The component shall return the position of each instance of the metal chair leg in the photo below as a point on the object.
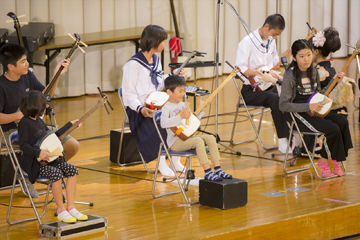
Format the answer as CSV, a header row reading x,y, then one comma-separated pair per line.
x,y
122,136
38,217
250,116
287,154
310,154
181,185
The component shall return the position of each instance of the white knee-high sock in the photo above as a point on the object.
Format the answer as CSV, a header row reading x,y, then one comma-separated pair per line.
x,y
178,166
283,145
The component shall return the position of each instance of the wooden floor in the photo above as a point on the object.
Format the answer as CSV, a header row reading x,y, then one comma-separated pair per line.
x,y
327,210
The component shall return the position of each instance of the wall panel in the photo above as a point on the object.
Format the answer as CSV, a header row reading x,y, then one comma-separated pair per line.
x,y
102,65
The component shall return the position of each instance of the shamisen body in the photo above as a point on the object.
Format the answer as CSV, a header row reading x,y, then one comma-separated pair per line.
x,y
323,98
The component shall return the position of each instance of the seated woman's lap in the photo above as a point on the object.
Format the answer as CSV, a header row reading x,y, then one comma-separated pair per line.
x,y
145,135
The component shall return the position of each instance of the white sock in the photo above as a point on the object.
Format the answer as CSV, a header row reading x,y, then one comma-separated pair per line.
x,y
164,168
76,214
283,145
64,215
178,166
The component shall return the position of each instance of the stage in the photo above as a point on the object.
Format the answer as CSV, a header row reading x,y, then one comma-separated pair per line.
x,y
280,206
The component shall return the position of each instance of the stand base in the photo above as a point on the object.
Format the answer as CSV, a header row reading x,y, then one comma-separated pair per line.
x,y
60,229
238,153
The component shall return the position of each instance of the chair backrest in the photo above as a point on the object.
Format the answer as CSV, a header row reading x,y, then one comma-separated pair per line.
x,y
126,123
7,142
157,116
1,142
14,138
156,121
122,101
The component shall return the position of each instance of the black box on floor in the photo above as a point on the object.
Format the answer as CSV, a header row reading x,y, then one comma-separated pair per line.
x,y
34,35
225,194
6,169
129,151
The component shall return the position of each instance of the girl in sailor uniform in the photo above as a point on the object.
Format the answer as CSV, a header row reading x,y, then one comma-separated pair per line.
x,y
300,82
142,75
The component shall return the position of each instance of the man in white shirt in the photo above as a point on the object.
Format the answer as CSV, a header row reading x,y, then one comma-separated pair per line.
x,y
255,51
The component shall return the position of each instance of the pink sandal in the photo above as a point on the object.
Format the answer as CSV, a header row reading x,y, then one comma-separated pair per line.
x,y
337,168
325,169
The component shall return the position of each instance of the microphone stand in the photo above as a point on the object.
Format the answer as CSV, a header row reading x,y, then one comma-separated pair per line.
x,y
49,111
217,31
51,114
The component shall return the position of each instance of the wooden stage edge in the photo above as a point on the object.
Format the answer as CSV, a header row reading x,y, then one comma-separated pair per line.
x,y
318,225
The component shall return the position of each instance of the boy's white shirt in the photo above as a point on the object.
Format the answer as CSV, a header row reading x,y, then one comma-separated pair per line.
x,y
249,56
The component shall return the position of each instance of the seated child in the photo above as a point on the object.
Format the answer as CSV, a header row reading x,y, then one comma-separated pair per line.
x,y
323,44
31,126
17,80
300,82
172,113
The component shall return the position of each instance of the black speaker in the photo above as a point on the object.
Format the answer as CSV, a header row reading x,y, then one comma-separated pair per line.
x,y
129,151
225,194
6,169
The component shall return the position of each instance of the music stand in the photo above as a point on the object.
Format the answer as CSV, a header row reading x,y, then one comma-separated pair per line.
x,y
195,65
217,62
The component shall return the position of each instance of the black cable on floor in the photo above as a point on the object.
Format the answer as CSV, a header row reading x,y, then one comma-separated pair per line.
x,y
100,136
253,156
6,205
123,175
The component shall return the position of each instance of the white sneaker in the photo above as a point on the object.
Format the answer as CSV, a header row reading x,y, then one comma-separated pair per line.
x,y
65,217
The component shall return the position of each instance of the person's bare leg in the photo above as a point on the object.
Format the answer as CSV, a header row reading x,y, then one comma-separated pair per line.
x,y
70,191
71,147
63,215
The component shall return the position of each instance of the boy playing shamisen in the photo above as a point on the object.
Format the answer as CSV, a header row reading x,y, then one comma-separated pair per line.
x,y
172,114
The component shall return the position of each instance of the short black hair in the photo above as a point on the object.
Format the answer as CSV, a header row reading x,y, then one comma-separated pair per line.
x,y
173,82
332,42
10,53
151,37
275,21
32,103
